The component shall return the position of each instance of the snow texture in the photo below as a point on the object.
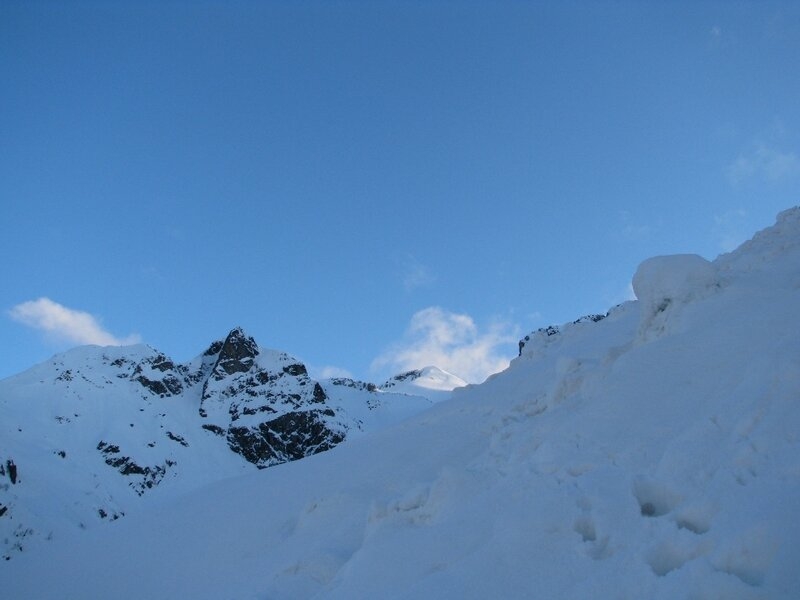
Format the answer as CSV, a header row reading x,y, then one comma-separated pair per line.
x,y
653,453
662,283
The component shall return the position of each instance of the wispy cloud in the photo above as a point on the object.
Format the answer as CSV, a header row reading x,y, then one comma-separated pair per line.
x,y
66,324
452,342
415,274
763,162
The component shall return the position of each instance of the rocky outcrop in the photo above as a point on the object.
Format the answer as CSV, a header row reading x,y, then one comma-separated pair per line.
x,y
236,355
408,375
291,436
362,386
266,404
552,330
142,478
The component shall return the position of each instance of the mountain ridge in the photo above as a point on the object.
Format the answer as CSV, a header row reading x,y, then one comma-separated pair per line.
x,y
128,423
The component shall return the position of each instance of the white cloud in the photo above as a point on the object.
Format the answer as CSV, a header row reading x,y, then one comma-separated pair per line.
x,y
66,324
452,342
766,163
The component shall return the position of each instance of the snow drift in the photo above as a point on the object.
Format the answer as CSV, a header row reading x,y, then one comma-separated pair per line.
x,y
652,453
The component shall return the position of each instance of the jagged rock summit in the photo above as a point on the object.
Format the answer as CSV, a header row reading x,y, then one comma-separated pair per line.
x,y
265,402
93,431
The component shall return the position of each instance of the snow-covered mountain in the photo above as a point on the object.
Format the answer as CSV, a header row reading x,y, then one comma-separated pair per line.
x,y
95,432
653,453
431,382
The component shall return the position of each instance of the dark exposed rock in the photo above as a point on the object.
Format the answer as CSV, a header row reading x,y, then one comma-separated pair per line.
x,y
548,331
177,438
126,465
407,375
107,448
216,429
162,363
12,471
236,355
590,319
295,370
65,376
414,374
149,476
289,437
319,394
214,348
111,517
253,411
168,386
552,330
264,377
352,383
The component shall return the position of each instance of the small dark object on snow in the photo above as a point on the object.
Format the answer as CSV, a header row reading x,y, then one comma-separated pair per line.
x,y
648,510
12,471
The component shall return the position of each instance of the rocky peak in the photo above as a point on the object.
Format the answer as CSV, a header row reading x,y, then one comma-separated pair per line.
x,y
408,375
236,354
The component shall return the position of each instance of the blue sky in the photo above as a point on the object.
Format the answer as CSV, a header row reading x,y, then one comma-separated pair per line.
x,y
374,186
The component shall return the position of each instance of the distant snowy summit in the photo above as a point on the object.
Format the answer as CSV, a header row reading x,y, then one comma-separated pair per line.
x,y
427,381
88,433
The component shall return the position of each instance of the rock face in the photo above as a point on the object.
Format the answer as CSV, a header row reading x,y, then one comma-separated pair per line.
x,y
236,355
92,432
265,402
291,436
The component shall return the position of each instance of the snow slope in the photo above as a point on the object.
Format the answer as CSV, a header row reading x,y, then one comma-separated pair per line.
x,y
653,453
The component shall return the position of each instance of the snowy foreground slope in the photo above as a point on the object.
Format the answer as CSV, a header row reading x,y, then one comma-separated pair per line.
x,y
654,453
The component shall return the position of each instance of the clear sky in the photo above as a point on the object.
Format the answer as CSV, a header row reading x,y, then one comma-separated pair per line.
x,y
374,186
